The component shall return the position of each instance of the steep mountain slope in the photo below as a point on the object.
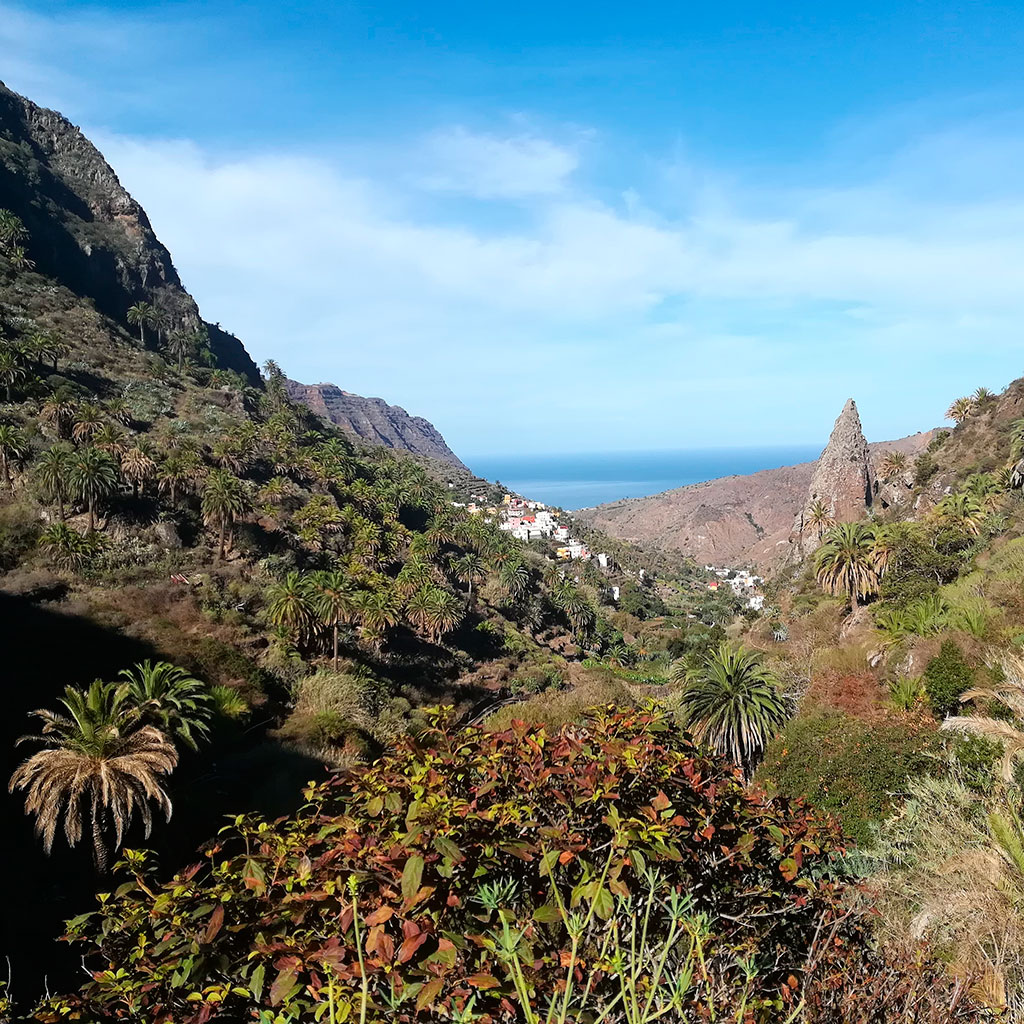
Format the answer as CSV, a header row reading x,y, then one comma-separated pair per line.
x,y
373,421
88,234
732,520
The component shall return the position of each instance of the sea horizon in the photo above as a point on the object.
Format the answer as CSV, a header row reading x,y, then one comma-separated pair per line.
x,y
583,479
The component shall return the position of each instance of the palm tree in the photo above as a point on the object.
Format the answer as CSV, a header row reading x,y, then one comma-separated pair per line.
x,y
982,396
884,545
12,369
178,471
963,512
119,410
468,569
444,613
93,476
732,702
167,697
12,230
68,548
19,258
111,439
378,612
894,465
960,409
845,562
142,315
335,601
60,409
138,465
101,764
13,448
88,420
54,468
292,604
515,578
223,501
819,517
179,347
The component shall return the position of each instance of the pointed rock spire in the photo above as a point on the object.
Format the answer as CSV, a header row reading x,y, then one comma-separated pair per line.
x,y
843,479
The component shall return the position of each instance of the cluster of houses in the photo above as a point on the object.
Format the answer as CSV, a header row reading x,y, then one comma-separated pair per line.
x,y
531,520
742,582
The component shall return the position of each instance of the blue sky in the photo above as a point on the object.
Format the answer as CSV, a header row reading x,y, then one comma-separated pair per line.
x,y
550,226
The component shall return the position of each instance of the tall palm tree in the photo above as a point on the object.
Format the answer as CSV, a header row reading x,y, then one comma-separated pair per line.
x,y
54,469
13,448
93,477
142,315
960,409
292,604
180,346
894,465
732,702
138,465
178,472
335,601
167,697
223,501
845,562
101,764
819,517
469,569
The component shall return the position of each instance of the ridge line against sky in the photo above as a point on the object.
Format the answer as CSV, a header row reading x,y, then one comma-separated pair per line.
x,y
572,231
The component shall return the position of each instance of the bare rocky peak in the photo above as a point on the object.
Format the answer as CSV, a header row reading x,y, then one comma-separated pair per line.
x,y
373,421
843,478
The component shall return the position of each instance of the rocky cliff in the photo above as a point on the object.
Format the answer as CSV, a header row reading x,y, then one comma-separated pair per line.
x,y
87,233
843,480
735,520
373,421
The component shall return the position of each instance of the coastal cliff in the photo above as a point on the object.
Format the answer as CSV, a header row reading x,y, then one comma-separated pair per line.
x,y
373,421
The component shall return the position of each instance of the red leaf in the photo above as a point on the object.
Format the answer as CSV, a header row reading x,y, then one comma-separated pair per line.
x,y
408,948
215,923
379,916
484,981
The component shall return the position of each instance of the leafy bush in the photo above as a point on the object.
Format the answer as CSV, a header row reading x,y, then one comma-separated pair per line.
x,y
946,677
846,766
19,532
482,876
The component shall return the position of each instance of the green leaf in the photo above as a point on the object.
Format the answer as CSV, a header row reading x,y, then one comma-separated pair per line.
x,y
547,914
256,982
374,806
412,876
604,905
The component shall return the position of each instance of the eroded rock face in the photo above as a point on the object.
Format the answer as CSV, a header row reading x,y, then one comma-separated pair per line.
x,y
373,421
843,479
86,231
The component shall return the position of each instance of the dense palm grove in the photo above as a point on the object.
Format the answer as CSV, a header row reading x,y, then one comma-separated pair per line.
x,y
649,859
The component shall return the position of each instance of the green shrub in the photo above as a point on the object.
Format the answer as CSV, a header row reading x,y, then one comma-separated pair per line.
x,y
488,873
19,532
845,766
946,677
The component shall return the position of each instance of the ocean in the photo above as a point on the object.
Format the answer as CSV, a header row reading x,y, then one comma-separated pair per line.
x,y
582,480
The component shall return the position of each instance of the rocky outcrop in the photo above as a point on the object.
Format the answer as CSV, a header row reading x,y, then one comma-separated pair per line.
x,y
373,421
735,520
87,233
843,480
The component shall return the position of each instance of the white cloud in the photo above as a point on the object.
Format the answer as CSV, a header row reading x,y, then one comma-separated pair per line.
x,y
349,279
489,166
